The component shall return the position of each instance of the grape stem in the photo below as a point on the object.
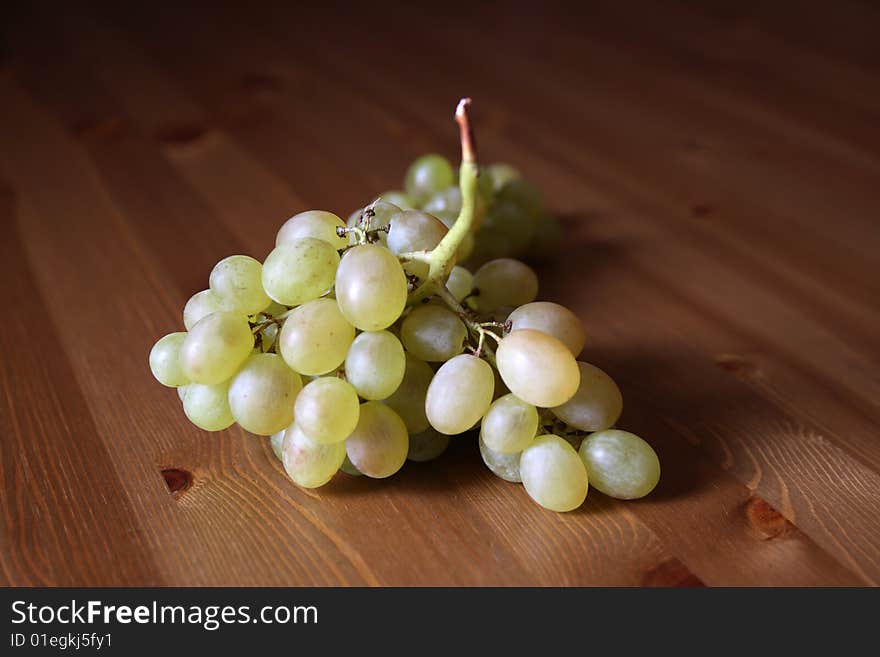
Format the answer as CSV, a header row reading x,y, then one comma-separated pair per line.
x,y
441,258
475,328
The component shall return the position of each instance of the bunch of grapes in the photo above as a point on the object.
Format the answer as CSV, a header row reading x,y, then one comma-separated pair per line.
x,y
356,346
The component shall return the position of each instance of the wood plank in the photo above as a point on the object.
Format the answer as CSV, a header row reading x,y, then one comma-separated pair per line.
x,y
737,538
720,215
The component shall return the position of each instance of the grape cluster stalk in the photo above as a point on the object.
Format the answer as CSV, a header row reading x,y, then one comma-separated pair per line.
x,y
356,345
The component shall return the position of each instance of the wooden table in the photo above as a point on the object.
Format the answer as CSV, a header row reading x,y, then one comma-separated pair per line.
x,y
718,168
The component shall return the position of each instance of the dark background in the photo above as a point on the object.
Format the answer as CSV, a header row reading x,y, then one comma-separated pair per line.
x,y
715,165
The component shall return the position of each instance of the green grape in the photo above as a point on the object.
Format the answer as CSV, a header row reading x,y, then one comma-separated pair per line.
x,y
237,285
300,270
398,198
412,230
276,441
428,175
460,394
383,211
274,309
327,409
553,319
537,368
446,206
348,468
460,283
379,444
433,333
310,464
315,337
553,474
523,194
216,347
447,201
408,400
597,403
510,425
201,304
371,288
620,464
382,214
262,394
165,360
427,445
489,244
181,392
505,466
375,364
500,175
504,282
207,406
518,226
313,223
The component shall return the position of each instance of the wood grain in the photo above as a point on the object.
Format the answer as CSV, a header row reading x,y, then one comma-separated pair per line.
x,y
717,179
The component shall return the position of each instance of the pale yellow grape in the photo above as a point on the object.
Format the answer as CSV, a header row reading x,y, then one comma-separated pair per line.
x,y
553,319
165,360
371,288
412,230
276,441
375,364
537,368
181,392
596,405
504,282
207,406
500,175
433,333
427,445
201,304
505,466
460,394
553,474
460,282
216,347
620,464
309,463
398,198
447,202
379,444
315,337
327,409
382,214
237,284
300,270
428,175
510,425
409,398
262,394
313,223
